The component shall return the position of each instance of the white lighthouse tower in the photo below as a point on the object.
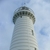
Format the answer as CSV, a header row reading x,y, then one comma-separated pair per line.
x,y
23,36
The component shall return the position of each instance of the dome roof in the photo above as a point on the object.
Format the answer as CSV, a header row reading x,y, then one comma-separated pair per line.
x,y
24,11
24,8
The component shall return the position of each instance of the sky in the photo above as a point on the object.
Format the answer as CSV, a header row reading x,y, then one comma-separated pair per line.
x,y
41,10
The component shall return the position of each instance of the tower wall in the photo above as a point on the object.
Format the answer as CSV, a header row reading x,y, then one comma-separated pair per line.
x,y
23,36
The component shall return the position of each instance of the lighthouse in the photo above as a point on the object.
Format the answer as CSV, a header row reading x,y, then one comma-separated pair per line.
x,y
24,37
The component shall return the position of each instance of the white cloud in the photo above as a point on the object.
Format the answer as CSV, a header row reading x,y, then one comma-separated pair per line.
x,y
47,1
42,25
43,18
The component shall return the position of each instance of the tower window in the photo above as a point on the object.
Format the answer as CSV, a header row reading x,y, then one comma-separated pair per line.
x,y
20,13
21,16
23,12
17,14
28,13
35,48
23,7
32,32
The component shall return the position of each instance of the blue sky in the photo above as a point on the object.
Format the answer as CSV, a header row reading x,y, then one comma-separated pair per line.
x,y
41,10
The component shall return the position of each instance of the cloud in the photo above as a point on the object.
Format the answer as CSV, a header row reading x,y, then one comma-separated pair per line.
x,y
1,0
42,25
7,9
47,1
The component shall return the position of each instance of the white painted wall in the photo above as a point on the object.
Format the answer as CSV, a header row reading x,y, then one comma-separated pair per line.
x,y
22,36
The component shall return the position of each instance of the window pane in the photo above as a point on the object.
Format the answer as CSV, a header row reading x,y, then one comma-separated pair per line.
x,y
32,32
